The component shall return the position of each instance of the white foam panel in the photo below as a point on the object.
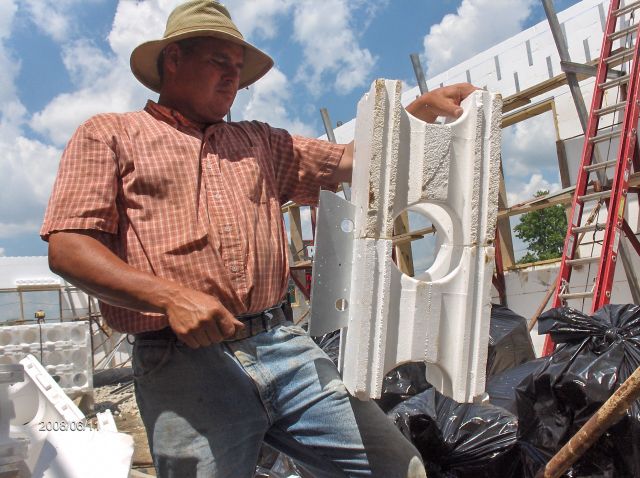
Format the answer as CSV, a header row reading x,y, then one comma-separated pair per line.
x,y
450,174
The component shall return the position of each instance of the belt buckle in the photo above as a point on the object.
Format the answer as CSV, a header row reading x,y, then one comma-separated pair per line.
x,y
267,317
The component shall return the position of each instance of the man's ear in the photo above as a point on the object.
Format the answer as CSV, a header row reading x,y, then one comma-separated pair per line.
x,y
172,56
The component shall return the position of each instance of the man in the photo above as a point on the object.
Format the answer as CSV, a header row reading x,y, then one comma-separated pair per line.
x,y
171,217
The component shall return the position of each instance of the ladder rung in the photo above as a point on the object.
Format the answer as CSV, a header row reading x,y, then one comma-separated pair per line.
x,y
576,295
604,136
610,109
591,227
627,8
594,196
582,260
621,56
602,165
615,82
625,31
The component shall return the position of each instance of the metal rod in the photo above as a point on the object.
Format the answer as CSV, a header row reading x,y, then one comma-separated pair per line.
x,y
417,68
346,189
607,416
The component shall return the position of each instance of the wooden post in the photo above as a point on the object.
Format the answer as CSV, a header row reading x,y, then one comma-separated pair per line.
x,y
608,415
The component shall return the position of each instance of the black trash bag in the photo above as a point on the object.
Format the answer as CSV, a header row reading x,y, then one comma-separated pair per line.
x,y
509,341
401,383
460,440
330,344
501,388
595,355
273,464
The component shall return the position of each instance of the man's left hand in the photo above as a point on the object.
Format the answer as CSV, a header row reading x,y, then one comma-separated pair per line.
x,y
443,101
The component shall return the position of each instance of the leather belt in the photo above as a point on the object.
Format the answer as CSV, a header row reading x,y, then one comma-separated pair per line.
x,y
254,324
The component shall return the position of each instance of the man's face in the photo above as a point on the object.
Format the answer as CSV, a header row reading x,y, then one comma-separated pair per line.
x,y
207,78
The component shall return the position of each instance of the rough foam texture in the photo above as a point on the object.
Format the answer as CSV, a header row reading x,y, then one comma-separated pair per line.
x,y
64,349
450,173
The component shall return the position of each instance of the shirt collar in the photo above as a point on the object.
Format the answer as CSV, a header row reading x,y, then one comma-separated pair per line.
x,y
172,117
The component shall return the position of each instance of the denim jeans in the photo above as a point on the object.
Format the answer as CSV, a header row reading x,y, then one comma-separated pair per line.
x,y
208,410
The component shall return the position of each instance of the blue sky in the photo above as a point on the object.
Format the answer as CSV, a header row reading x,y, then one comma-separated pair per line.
x,y
64,60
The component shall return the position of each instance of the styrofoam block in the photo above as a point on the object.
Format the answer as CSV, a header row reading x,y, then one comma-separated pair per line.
x,y
13,451
64,349
95,454
106,421
449,173
59,436
40,399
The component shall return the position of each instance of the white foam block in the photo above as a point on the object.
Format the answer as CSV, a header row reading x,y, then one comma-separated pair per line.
x,y
450,174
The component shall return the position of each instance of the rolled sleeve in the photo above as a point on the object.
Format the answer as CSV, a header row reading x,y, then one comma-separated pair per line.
x,y
86,186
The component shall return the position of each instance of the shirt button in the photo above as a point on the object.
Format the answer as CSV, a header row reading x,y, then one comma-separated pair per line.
x,y
234,268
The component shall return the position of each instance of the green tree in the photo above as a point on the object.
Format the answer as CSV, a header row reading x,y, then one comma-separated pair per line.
x,y
544,231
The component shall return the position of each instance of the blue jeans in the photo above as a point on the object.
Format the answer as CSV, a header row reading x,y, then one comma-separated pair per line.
x,y
208,410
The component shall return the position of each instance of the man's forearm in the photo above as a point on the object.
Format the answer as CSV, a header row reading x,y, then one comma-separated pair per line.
x,y
82,259
197,318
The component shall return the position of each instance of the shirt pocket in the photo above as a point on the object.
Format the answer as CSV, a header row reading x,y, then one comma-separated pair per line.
x,y
246,175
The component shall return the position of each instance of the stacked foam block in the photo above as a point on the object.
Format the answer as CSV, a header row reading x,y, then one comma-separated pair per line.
x,y
448,173
64,349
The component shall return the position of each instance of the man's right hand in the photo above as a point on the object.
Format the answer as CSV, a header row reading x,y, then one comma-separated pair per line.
x,y
199,319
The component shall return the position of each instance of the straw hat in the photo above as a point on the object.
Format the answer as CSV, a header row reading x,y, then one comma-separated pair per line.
x,y
197,18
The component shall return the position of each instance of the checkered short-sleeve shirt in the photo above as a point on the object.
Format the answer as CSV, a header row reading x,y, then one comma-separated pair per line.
x,y
200,206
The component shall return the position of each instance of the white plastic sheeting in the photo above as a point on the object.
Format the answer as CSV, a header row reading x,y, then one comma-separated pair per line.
x,y
448,173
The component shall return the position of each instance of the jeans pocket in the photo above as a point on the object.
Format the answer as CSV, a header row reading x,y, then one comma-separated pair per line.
x,y
149,356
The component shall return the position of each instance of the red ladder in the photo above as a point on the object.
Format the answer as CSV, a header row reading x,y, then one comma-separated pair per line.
x,y
612,190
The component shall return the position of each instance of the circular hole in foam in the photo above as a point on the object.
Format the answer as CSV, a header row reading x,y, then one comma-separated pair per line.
x,y
30,336
77,334
53,335
79,380
342,305
54,358
414,255
78,357
5,338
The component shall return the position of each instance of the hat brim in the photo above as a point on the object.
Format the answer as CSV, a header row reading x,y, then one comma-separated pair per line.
x,y
144,58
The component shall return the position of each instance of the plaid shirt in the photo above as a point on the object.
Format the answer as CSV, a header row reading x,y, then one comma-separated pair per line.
x,y
200,206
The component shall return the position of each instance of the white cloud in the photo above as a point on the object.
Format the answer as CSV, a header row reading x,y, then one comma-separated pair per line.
x,y
529,147
8,9
330,46
55,17
525,190
267,101
476,26
258,17
2,252
85,62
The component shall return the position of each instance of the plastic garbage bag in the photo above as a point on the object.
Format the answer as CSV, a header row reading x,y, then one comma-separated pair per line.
x,y
273,464
330,343
509,340
460,440
401,383
501,388
595,355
